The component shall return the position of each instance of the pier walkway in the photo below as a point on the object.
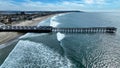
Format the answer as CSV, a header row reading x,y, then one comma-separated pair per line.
x,y
47,29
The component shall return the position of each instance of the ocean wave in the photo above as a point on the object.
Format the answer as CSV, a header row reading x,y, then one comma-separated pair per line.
x,y
33,55
55,23
54,20
32,35
51,21
45,22
60,36
62,14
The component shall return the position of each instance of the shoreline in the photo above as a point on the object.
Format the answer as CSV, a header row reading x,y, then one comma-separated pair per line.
x,y
6,37
8,40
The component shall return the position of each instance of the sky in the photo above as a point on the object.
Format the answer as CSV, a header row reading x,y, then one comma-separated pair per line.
x,y
56,5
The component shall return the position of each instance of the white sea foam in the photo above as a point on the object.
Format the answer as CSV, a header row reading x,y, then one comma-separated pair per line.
x,y
45,22
53,21
60,36
28,54
32,35
62,14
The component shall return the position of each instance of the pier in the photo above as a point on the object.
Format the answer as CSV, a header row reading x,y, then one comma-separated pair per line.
x,y
48,29
34,29
86,30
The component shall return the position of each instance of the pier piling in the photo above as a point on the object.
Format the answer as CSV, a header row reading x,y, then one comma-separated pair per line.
x,y
47,29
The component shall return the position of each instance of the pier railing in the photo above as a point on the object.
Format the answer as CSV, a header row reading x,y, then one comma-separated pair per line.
x,y
47,29
86,30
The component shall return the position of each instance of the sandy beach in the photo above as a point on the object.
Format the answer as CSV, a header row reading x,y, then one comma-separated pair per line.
x,y
8,36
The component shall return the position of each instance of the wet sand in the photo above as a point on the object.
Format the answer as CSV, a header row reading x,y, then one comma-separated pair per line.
x,y
8,36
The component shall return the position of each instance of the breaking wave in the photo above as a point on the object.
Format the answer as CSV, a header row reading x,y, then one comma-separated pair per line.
x,y
33,55
60,36
55,23
53,20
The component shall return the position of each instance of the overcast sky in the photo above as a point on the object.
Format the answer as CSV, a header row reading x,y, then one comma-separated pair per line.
x,y
43,5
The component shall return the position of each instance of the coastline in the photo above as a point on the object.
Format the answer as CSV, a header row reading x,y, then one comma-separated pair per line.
x,y
8,40
9,36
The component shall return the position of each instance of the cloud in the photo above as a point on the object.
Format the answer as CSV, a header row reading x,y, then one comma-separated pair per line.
x,y
30,5
6,5
95,1
89,1
37,5
100,1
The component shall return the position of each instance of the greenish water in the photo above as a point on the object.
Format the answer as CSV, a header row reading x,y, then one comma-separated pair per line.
x,y
59,50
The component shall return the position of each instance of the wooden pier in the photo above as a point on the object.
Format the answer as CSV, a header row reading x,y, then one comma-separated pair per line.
x,y
47,29
86,30
35,29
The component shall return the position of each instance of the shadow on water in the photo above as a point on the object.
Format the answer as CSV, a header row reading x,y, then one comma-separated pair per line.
x,y
4,52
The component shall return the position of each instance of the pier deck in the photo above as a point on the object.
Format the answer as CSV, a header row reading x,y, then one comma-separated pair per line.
x,y
47,29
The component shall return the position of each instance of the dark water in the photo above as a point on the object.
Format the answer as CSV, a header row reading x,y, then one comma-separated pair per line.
x,y
92,50
57,50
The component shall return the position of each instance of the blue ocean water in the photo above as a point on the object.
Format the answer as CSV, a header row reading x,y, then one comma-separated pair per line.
x,y
60,50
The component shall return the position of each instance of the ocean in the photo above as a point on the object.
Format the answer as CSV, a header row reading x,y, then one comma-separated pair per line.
x,y
68,50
